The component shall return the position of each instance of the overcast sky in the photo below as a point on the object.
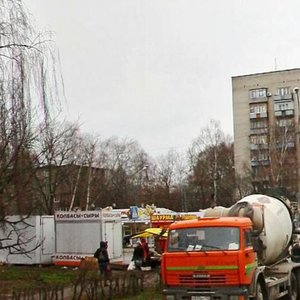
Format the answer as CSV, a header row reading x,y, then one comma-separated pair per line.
x,y
158,70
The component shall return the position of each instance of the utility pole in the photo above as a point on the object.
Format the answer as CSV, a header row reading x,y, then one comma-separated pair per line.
x,y
134,175
215,175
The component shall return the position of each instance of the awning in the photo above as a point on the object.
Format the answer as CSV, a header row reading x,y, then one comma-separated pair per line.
x,y
149,232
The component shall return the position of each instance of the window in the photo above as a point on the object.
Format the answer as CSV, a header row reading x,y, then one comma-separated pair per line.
x,y
254,124
282,91
284,122
258,93
253,157
204,239
261,156
258,108
283,105
258,139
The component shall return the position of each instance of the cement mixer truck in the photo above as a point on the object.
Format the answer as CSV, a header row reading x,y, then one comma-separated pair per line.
x,y
242,252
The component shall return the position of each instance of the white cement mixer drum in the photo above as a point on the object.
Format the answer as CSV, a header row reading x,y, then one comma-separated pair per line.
x,y
277,225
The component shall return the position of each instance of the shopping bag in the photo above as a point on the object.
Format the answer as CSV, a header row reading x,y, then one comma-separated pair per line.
x,y
131,266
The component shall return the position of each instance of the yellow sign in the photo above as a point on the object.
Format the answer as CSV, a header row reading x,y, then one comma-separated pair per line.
x,y
157,218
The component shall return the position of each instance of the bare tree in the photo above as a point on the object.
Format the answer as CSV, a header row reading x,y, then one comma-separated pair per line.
x,y
88,148
25,88
282,156
28,66
122,159
28,94
243,184
170,181
55,153
274,158
206,158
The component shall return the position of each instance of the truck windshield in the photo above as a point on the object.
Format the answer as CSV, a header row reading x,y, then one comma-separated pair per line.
x,y
204,239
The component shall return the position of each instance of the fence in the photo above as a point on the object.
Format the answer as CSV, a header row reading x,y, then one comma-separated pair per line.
x,y
89,285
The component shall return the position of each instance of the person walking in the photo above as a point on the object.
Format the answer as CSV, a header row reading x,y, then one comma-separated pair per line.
x,y
146,251
138,256
103,259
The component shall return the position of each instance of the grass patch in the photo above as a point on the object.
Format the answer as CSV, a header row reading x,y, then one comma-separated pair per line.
x,y
31,278
23,276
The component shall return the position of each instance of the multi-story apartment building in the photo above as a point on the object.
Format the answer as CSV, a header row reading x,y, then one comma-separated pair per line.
x,y
266,129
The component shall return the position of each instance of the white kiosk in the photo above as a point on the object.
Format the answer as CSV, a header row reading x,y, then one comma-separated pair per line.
x,y
78,234
33,234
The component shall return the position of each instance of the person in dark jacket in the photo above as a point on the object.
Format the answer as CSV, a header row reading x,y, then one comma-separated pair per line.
x,y
138,256
102,255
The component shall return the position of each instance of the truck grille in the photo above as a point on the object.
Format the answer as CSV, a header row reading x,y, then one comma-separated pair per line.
x,y
213,279
204,279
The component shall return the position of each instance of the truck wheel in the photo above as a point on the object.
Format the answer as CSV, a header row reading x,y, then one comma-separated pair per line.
x,y
259,295
293,289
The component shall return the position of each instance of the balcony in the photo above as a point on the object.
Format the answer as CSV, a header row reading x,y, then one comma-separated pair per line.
x,y
258,100
259,146
282,97
286,145
262,130
258,115
284,113
254,163
263,162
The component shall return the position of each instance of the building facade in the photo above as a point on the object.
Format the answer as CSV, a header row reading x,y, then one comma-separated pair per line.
x,y
266,129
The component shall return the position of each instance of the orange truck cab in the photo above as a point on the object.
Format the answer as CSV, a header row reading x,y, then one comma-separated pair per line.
x,y
209,259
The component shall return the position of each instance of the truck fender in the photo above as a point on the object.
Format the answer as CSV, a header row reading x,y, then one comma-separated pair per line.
x,y
258,278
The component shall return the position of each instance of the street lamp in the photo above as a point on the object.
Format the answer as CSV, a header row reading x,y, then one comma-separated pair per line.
x,y
297,131
296,91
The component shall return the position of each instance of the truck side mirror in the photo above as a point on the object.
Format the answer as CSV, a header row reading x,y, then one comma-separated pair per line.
x,y
258,245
